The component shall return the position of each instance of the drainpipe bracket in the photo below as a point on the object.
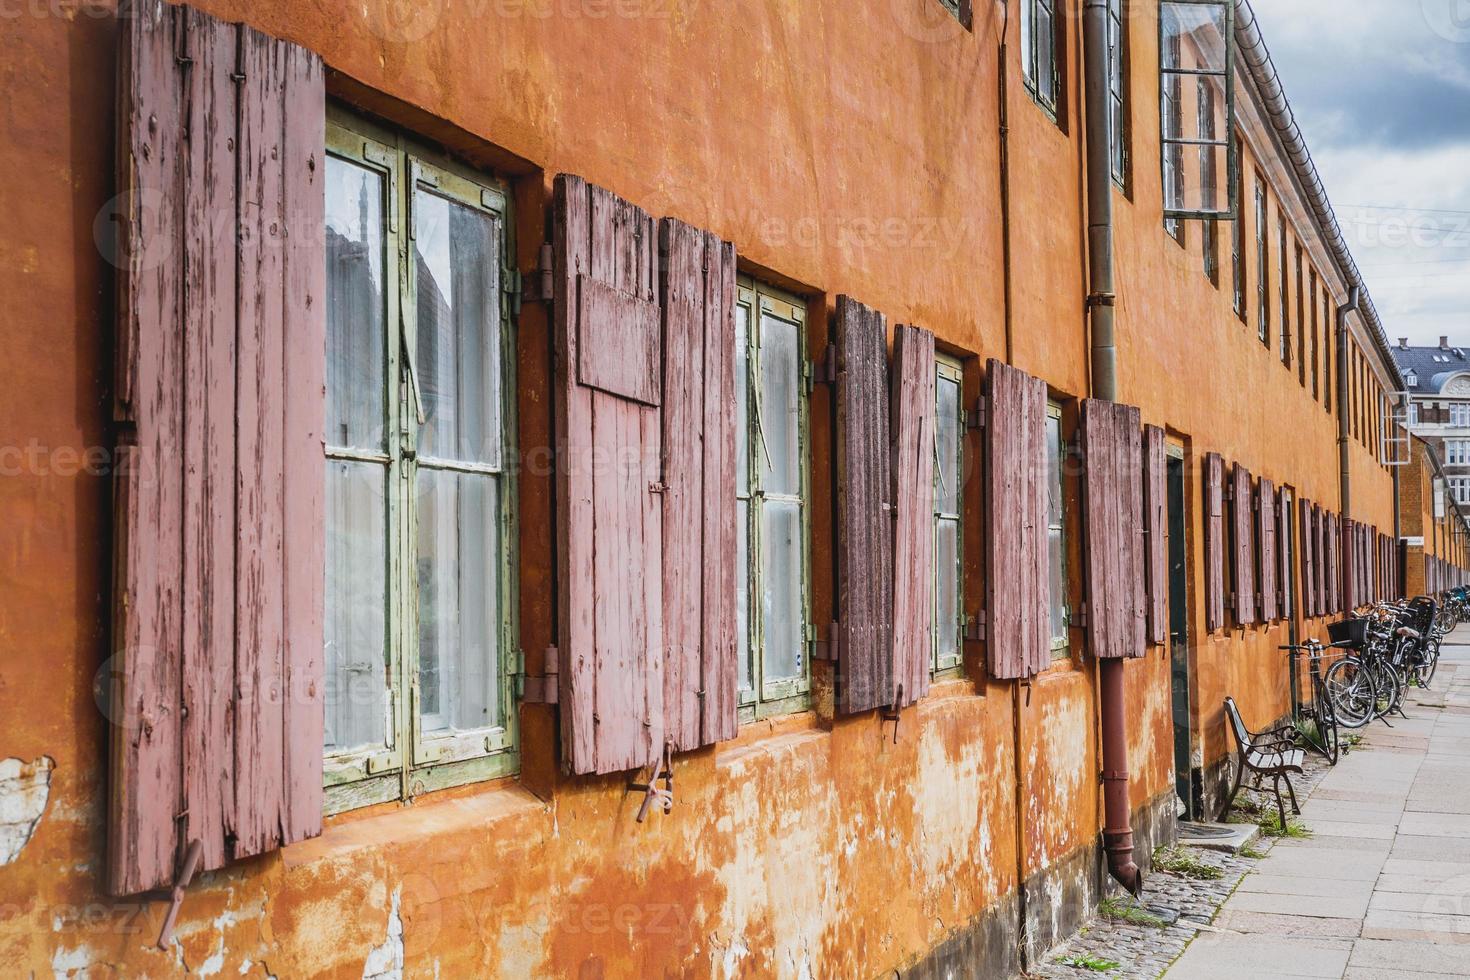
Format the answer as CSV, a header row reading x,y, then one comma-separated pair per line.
x,y
1101,299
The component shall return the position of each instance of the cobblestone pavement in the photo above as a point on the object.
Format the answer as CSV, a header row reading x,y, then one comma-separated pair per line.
x,y
1144,952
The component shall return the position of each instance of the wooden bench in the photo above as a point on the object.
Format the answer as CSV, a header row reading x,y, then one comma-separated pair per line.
x,y
1274,754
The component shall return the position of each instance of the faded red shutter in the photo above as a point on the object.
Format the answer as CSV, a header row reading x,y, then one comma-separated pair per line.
x,y
864,523
1017,579
1351,596
1113,519
1266,532
1308,560
609,522
1155,529
699,536
1319,526
219,494
1334,564
1214,494
912,392
1284,569
1242,535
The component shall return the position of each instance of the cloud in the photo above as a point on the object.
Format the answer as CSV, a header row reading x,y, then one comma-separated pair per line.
x,y
1381,90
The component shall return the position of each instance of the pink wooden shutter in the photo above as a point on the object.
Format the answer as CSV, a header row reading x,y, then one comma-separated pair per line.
x,y
1319,527
912,413
864,523
1113,496
1266,532
609,522
1334,564
1351,596
1214,497
1308,560
1155,529
220,399
1242,535
1017,579
699,534
1284,569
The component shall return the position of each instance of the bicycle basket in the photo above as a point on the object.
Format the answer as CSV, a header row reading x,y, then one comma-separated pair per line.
x,y
1351,631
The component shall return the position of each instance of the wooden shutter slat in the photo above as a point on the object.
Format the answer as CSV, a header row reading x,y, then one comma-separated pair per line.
x,y
1017,579
1214,487
1308,560
1156,561
864,524
1113,494
1242,536
610,526
912,416
1266,532
697,297
220,555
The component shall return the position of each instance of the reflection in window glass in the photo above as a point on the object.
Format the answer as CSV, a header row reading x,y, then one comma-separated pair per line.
x,y
1055,526
948,485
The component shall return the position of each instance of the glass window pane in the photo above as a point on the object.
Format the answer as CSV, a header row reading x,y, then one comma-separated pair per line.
x,y
458,600
356,353
1054,470
781,584
946,589
1028,31
457,263
1057,605
742,593
1193,35
742,398
947,470
356,702
780,406
1046,40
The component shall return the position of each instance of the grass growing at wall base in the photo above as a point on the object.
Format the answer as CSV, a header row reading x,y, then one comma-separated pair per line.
x,y
1120,910
1270,824
1094,963
1182,862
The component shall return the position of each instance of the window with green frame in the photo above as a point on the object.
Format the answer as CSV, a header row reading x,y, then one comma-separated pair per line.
x,y
1056,531
771,490
949,476
420,519
1039,62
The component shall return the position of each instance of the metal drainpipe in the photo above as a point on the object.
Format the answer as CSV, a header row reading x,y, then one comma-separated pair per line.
x,y
1344,470
1101,301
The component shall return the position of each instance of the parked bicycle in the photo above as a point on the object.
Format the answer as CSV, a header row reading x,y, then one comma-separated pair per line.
x,y
1322,736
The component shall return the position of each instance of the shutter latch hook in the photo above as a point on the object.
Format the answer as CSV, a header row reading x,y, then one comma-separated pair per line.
x,y
663,770
176,897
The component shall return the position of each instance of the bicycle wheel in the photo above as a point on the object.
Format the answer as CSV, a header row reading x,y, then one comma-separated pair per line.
x,y
1387,691
1347,689
1428,663
1327,728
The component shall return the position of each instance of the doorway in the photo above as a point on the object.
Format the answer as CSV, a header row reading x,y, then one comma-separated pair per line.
x,y
1186,778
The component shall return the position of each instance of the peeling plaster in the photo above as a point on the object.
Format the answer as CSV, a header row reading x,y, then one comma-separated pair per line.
x,y
385,962
24,790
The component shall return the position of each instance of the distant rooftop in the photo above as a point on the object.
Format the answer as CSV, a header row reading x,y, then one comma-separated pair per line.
x,y
1426,369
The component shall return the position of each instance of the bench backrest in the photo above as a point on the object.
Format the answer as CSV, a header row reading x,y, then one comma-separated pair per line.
x,y
1237,725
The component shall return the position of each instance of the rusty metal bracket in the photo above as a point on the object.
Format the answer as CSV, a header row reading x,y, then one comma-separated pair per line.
x,y
975,626
176,897
1101,299
543,689
827,372
827,649
893,713
975,417
663,770
544,274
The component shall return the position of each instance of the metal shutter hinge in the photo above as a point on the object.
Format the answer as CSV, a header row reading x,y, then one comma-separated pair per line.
x,y
823,649
512,288
828,372
975,417
544,274
543,689
975,626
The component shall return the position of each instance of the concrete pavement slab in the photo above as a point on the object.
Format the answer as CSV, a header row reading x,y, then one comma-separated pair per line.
x,y
1226,956
1408,955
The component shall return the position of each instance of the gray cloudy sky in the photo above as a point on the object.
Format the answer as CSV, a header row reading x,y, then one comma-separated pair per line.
x,y
1381,89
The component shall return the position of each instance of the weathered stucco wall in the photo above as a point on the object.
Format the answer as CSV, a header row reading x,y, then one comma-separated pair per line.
x,y
843,149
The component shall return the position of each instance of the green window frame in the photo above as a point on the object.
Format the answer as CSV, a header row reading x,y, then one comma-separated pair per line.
x,y
1040,64
1283,288
1118,157
1059,610
949,508
1237,240
773,492
427,495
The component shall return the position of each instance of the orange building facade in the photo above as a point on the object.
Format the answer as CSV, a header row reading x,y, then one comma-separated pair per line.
x,y
849,150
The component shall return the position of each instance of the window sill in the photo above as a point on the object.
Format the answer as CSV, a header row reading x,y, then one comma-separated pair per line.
x,y
431,817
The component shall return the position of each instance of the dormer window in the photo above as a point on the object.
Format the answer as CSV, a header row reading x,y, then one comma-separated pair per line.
x,y
1411,379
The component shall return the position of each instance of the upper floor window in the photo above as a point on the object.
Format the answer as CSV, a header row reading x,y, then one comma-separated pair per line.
x,y
1039,63
1197,108
949,474
1413,413
1056,538
1237,243
1283,288
1411,379
1263,265
771,493
1457,452
418,497
1460,416
1117,94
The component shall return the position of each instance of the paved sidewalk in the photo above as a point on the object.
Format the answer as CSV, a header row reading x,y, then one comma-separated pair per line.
x,y
1382,888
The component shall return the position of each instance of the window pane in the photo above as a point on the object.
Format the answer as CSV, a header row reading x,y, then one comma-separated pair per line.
x,y
458,600
742,593
780,406
781,583
1057,605
1054,471
946,585
457,262
1046,39
1028,32
742,399
356,700
947,448
356,352
1193,35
